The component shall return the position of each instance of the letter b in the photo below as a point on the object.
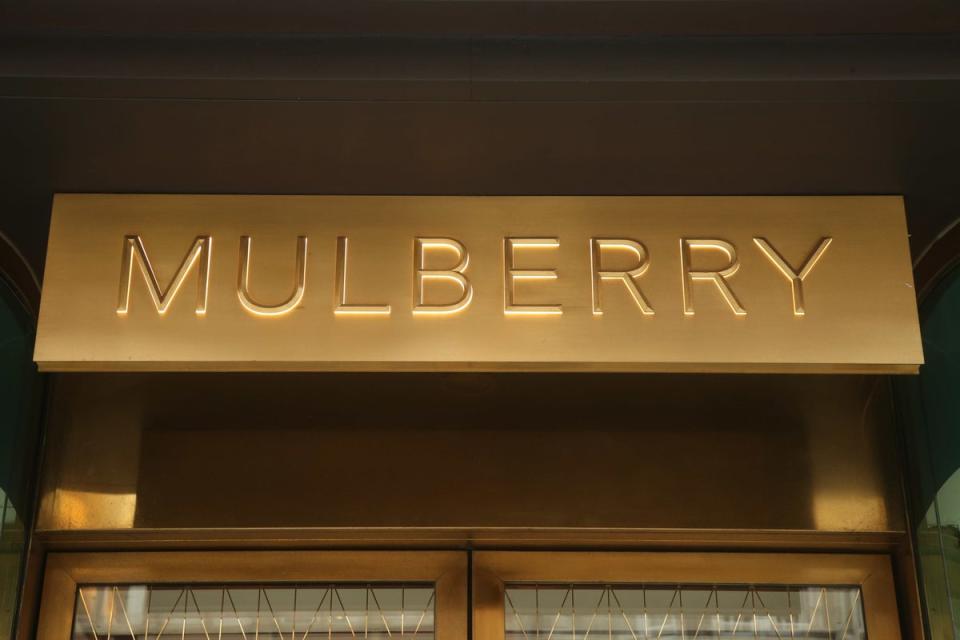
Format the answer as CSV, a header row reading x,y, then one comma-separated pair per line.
x,y
454,274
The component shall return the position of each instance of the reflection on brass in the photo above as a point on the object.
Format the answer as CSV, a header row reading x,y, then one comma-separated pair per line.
x,y
133,249
837,503
719,278
243,281
628,278
544,291
454,274
79,509
341,307
796,279
493,571
512,275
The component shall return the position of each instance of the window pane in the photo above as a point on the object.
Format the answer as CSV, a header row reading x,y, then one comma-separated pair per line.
x,y
668,612
248,612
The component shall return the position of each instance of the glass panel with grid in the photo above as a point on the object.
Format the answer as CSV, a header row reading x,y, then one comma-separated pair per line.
x,y
682,612
254,612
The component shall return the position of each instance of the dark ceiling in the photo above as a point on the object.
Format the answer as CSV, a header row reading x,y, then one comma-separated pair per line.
x,y
562,97
496,18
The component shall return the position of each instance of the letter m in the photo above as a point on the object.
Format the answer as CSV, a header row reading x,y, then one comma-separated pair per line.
x,y
133,249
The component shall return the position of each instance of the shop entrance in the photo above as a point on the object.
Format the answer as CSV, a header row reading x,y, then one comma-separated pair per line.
x,y
451,596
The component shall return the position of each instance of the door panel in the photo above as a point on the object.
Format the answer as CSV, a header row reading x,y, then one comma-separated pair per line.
x,y
574,596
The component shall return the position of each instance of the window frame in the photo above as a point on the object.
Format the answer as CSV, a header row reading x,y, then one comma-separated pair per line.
x,y
64,572
493,570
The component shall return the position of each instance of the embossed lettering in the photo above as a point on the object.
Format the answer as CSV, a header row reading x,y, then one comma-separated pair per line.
x,y
454,274
340,306
511,275
243,281
133,249
719,278
795,279
628,278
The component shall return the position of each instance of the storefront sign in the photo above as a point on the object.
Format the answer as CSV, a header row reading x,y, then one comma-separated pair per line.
x,y
178,282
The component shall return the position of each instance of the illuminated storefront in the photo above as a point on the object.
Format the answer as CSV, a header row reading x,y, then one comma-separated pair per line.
x,y
367,324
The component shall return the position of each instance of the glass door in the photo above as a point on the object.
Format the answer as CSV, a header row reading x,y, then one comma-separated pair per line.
x,y
256,595
291,595
682,596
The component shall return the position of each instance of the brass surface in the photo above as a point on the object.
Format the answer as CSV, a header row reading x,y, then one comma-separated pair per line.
x,y
908,588
468,538
806,284
64,571
492,570
543,455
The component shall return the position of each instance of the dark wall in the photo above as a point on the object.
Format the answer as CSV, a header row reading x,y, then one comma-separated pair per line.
x,y
777,101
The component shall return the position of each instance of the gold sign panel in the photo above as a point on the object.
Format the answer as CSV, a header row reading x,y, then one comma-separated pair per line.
x,y
185,282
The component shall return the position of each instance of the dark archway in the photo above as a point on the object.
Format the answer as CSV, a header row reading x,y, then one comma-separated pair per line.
x,y
929,407
19,425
